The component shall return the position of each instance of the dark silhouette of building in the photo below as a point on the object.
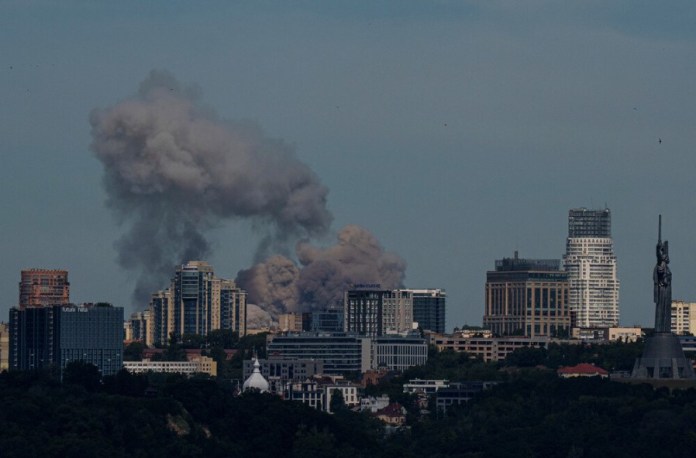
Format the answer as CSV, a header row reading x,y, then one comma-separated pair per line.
x,y
51,337
429,309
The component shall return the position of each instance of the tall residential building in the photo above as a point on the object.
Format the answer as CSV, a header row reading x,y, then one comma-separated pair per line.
x,y
193,298
197,302
42,287
591,266
4,347
429,309
527,297
376,312
684,318
51,337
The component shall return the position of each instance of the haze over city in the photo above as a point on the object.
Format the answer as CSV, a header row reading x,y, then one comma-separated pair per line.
x,y
454,132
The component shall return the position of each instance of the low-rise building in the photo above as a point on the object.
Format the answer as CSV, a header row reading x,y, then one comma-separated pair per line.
x,y
582,370
200,365
393,415
491,348
343,353
373,403
459,393
425,386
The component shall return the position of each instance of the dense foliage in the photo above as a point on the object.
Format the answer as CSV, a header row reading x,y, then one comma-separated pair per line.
x,y
530,413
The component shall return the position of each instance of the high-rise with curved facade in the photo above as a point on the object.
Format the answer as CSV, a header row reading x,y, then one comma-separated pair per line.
x,y
591,265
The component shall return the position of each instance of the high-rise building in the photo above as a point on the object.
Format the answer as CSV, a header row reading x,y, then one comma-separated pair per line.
x,y
51,337
429,309
162,316
4,347
376,312
193,298
683,318
42,287
591,266
197,302
527,297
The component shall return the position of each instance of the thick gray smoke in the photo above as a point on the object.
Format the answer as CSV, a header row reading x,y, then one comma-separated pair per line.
x,y
172,170
279,285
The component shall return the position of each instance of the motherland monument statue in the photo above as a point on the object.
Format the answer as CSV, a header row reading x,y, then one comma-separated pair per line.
x,y
663,357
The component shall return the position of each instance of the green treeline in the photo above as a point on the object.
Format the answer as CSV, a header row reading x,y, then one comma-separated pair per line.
x,y
530,413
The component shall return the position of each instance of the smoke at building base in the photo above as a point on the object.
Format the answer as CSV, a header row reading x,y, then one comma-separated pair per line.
x,y
173,170
321,275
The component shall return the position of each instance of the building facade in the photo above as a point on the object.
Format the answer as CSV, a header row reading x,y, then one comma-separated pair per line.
x,y
199,365
340,353
4,347
490,348
429,309
197,302
52,337
683,318
527,297
591,265
343,353
43,287
376,312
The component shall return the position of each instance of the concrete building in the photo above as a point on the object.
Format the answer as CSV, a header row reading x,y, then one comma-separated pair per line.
x,y
43,287
490,348
140,327
318,392
350,353
683,318
340,353
293,322
527,297
459,393
429,309
376,312
625,334
425,386
328,320
4,347
374,403
398,353
197,302
199,365
591,265
51,337
279,372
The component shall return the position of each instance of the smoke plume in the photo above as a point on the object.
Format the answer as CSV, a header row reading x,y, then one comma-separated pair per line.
x,y
172,170
279,285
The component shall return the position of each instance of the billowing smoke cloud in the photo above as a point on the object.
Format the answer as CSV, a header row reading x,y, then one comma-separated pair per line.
x,y
172,170
279,285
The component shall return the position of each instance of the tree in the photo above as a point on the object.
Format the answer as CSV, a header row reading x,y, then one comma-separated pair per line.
x,y
134,351
337,402
83,374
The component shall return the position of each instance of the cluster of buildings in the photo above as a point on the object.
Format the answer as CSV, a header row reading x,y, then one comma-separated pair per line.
x,y
528,303
47,332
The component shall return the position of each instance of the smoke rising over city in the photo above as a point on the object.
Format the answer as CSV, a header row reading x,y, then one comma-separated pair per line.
x,y
323,273
173,170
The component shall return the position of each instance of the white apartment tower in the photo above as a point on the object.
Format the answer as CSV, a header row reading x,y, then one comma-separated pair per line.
x,y
591,266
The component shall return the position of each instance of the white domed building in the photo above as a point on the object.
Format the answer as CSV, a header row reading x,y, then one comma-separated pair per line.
x,y
256,381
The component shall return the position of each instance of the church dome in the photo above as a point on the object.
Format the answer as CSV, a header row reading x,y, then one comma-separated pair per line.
x,y
256,380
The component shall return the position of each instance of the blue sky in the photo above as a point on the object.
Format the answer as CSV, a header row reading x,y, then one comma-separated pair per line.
x,y
457,132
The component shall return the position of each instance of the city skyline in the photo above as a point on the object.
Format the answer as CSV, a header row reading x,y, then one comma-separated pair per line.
x,y
455,133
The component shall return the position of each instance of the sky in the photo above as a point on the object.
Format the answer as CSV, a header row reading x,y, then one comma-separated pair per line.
x,y
456,132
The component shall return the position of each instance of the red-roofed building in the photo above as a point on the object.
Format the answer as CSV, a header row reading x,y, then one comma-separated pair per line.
x,y
582,370
393,414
